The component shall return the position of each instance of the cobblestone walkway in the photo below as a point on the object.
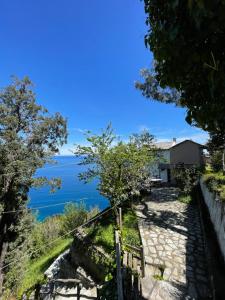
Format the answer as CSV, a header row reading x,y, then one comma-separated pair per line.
x,y
173,244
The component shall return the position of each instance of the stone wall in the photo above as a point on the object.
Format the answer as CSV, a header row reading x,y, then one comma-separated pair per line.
x,y
92,258
217,214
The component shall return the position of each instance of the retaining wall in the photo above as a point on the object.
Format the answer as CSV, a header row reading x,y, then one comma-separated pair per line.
x,y
216,209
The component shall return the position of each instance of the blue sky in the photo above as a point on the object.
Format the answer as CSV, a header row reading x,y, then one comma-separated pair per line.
x,y
84,57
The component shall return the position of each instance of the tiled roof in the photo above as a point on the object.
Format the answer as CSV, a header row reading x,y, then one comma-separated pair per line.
x,y
168,145
164,145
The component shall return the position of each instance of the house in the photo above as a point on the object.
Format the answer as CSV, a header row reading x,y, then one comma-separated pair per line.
x,y
172,154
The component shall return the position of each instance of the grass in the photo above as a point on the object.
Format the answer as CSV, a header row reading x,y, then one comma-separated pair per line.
x,y
103,233
35,270
130,232
158,277
185,199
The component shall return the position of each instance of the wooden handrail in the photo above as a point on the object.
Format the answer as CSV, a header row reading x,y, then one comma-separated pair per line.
x,y
137,249
77,282
118,266
70,280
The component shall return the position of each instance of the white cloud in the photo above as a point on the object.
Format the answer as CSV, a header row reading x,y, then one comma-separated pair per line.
x,y
167,134
143,128
76,129
161,135
199,137
66,150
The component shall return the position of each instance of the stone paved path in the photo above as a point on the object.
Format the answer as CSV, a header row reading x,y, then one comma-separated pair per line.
x,y
173,244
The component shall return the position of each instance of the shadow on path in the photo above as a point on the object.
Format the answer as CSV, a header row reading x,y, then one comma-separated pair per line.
x,y
172,237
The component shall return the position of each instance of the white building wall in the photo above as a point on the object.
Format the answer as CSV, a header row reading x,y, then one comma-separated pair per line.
x,y
155,171
165,160
165,156
217,214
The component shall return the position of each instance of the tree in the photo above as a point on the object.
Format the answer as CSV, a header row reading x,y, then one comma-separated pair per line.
x,y
187,40
74,215
29,137
122,168
216,150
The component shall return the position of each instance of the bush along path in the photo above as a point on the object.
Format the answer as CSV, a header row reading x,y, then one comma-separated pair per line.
x,y
174,247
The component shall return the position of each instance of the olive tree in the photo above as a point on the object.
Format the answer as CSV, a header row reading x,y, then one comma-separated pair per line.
x,y
122,168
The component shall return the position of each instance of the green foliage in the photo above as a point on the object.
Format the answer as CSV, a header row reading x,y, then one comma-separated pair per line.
x,y
35,268
216,183
93,212
74,215
216,148
130,233
187,43
38,242
158,277
122,168
109,290
44,233
29,137
186,178
102,233
18,251
216,160
104,236
185,199
41,244
216,142
19,282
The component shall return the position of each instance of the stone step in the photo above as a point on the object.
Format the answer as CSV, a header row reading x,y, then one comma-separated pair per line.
x,y
85,294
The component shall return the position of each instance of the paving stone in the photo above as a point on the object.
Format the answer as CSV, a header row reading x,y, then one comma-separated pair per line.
x,y
159,247
152,250
172,231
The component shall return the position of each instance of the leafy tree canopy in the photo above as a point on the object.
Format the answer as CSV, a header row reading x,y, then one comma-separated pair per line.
x,y
187,40
29,136
122,168
216,148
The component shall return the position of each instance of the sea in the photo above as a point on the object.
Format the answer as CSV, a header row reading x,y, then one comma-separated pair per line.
x,y
45,203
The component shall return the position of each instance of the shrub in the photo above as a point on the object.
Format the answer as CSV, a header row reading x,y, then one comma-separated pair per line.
x,y
74,215
93,212
104,237
186,178
130,231
217,160
35,268
185,199
43,233
215,183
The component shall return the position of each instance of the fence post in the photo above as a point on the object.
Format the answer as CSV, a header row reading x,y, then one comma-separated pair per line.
x,y
120,219
143,261
118,267
78,291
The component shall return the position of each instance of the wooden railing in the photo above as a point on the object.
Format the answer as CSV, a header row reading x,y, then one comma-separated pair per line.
x,y
75,282
130,262
118,266
139,251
